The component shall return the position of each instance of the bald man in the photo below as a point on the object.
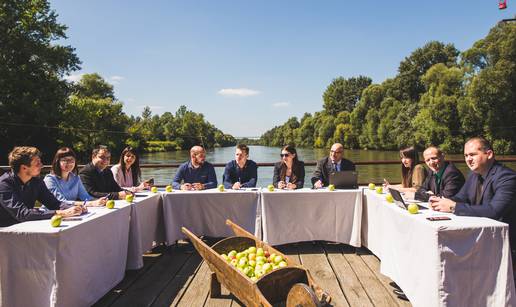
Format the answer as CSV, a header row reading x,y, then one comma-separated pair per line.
x,y
331,164
196,174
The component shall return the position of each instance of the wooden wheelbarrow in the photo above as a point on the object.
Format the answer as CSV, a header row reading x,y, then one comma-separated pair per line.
x,y
292,284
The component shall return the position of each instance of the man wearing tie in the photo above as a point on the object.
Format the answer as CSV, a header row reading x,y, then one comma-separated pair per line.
x,y
489,191
331,164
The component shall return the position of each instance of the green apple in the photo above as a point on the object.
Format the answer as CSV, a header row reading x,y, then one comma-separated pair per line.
x,y
168,188
129,198
259,251
331,187
270,187
252,256
372,186
379,190
413,208
242,262
154,189
232,254
252,263
266,268
234,262
221,187
252,250
278,259
110,204
389,198
56,220
282,264
239,255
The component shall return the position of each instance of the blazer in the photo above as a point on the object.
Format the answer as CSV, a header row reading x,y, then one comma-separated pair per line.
x,y
298,174
498,200
99,184
451,182
325,167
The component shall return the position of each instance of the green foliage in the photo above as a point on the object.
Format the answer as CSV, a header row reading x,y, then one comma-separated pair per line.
x,y
343,94
159,146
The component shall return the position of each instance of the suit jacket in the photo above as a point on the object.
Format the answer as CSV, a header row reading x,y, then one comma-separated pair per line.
x,y
451,182
99,184
298,174
325,167
498,199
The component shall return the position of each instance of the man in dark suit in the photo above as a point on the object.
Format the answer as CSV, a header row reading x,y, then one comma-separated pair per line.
x,y
489,191
444,178
333,163
98,179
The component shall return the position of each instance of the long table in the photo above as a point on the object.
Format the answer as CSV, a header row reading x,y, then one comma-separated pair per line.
x,y
205,212
307,215
464,261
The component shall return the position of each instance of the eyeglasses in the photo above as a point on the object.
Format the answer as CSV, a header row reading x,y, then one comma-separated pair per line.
x,y
67,160
105,158
284,155
336,152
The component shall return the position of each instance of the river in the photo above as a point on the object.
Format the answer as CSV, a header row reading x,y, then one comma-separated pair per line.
x,y
261,154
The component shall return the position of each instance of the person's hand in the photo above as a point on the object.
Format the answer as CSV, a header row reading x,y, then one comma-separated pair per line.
x,y
318,184
236,186
186,186
282,185
386,184
291,186
72,211
198,186
442,204
144,185
123,194
97,203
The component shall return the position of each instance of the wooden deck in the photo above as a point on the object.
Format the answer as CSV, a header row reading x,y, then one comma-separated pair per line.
x,y
177,276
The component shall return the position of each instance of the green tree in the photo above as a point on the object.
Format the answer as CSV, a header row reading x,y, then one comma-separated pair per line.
x,y
93,86
343,94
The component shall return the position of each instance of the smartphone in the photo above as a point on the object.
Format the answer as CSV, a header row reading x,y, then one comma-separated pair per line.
x,y
150,181
438,218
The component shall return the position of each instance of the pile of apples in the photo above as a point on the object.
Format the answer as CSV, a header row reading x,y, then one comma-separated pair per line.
x,y
254,262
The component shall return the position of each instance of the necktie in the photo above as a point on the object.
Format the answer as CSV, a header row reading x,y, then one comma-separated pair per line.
x,y
478,193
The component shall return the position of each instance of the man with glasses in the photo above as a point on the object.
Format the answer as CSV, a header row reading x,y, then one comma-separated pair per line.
x,y
21,188
98,179
333,163
196,174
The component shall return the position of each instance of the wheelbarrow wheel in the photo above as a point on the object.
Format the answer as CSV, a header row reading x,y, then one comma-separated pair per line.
x,y
301,295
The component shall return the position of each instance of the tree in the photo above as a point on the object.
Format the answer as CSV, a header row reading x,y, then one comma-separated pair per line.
x,y
32,92
94,86
343,94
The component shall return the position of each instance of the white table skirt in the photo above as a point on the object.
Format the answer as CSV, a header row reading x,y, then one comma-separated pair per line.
x,y
461,262
146,228
72,265
307,215
205,212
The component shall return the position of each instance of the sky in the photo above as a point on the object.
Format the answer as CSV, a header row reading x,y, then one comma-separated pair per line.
x,y
250,65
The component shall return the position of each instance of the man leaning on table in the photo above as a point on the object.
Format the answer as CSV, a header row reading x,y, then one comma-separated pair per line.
x,y
21,188
196,174
489,191
333,163
241,172
444,178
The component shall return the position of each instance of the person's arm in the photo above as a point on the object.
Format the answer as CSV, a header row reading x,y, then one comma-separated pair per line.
x,y
211,180
88,179
253,176
82,194
13,204
178,178
418,176
226,178
53,187
276,176
48,199
301,176
318,172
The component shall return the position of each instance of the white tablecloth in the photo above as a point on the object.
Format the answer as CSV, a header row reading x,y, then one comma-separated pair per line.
x,y
205,212
146,228
461,262
72,265
306,215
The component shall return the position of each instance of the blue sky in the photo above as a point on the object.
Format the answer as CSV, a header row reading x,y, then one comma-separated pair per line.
x,y
248,66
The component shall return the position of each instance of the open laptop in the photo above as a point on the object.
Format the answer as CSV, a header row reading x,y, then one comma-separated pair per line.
x,y
398,199
344,180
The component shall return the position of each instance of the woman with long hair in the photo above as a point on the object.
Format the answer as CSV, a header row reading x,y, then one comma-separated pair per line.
x,y
64,182
289,173
413,174
127,172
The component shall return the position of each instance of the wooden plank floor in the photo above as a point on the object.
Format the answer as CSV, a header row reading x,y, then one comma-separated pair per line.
x,y
177,276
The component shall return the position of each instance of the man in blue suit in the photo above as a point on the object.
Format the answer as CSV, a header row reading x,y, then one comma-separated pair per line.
x,y
489,191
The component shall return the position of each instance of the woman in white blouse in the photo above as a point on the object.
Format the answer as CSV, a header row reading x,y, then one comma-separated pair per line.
x,y
127,172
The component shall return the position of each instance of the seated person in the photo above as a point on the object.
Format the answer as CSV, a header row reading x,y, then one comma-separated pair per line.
x,y
241,172
331,164
444,179
64,182
196,174
413,174
289,173
21,187
127,172
98,179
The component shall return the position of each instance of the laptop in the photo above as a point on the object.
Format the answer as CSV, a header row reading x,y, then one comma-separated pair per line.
x,y
344,180
398,200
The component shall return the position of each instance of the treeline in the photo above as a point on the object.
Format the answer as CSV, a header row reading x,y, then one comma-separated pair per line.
x,y
440,96
39,108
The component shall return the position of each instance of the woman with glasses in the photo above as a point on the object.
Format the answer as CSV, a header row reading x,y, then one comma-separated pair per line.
x,y
289,173
64,182
127,172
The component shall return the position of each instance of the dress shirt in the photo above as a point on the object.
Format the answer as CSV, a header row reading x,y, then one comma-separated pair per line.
x,y
17,200
99,183
67,190
204,174
247,175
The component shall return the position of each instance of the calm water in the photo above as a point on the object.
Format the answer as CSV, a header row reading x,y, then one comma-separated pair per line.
x,y
261,154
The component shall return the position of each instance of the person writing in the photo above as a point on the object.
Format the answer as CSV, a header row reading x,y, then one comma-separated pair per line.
x,y
331,164
196,174
413,174
127,172
289,173
241,172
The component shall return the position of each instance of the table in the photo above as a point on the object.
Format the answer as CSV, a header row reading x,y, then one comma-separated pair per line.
x,y
307,215
461,262
205,212
146,228
71,265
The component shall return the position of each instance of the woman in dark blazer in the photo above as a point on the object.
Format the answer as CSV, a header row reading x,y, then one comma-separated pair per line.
x,y
289,173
